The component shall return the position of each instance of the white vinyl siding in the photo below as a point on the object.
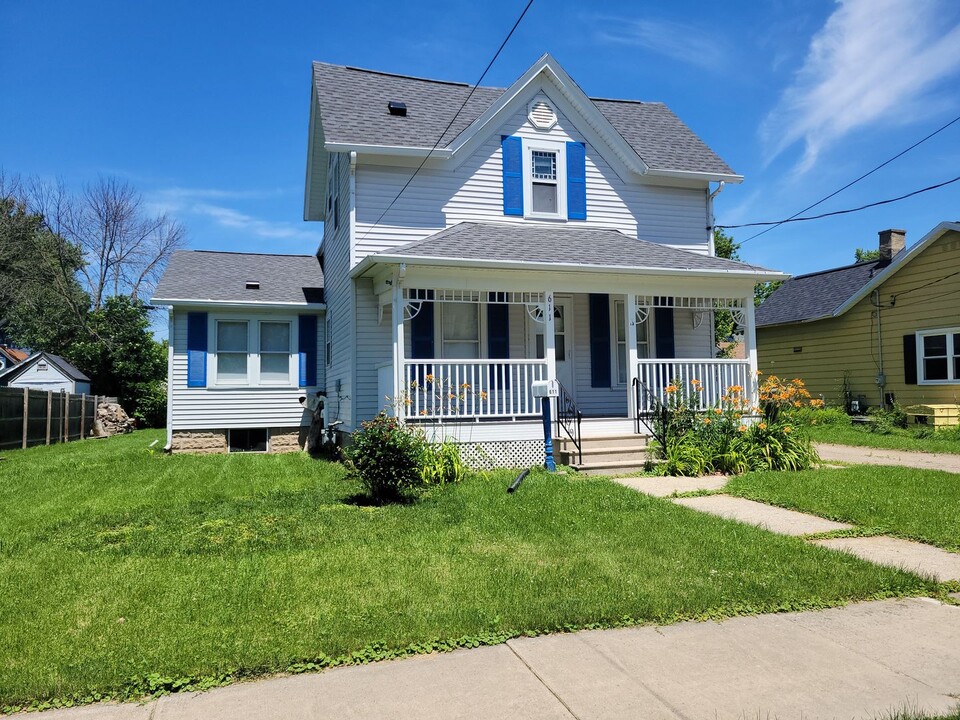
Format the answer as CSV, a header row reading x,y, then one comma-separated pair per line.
x,y
473,192
216,407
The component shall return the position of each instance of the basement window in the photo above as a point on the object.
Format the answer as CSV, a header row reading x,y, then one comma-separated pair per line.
x,y
247,440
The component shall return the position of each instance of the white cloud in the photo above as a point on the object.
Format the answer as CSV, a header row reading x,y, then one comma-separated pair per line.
x,y
234,219
873,61
680,41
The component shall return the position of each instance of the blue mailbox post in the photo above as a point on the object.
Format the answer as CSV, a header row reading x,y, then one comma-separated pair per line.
x,y
545,390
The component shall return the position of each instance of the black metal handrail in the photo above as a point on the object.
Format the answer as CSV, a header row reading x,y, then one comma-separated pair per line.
x,y
569,418
655,411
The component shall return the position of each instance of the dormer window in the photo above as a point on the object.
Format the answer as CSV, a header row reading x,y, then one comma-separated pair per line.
x,y
544,179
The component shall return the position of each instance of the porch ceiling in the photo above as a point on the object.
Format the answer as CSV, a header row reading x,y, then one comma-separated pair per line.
x,y
561,248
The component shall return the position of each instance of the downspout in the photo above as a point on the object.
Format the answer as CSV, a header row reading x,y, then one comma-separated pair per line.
x,y
710,217
169,445
881,377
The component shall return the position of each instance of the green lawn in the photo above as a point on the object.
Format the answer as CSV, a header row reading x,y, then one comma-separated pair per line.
x,y
897,440
911,503
116,562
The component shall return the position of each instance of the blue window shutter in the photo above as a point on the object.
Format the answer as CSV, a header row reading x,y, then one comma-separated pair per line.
x,y
307,346
197,349
421,333
599,340
663,329
512,150
576,181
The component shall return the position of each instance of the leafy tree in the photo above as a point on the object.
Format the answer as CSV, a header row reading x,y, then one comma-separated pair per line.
x,y
861,255
42,305
122,358
723,324
761,291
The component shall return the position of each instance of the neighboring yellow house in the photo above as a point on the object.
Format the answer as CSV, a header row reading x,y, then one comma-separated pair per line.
x,y
881,331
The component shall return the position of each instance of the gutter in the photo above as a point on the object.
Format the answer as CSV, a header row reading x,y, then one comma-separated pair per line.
x,y
238,304
399,150
371,260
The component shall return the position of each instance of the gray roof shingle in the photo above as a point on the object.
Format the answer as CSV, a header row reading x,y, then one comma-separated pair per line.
x,y
353,108
816,295
513,242
222,276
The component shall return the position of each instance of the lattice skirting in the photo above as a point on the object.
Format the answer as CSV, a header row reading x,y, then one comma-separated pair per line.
x,y
491,454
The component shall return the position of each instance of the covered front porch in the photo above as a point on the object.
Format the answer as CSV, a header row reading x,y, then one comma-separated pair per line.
x,y
471,356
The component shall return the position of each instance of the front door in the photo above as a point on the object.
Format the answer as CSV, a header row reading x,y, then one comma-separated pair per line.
x,y
563,340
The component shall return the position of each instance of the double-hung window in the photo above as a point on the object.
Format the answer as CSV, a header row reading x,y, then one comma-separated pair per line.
x,y
274,353
460,330
544,185
939,352
232,352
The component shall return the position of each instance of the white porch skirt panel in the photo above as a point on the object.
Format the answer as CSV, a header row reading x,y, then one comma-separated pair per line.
x,y
494,454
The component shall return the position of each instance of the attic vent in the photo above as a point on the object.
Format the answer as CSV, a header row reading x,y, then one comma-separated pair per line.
x,y
397,108
541,114
253,285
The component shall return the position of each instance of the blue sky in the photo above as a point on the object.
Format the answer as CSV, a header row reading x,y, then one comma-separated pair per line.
x,y
204,106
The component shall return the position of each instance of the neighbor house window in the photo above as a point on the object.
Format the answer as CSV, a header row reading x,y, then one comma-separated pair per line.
x,y
275,352
620,333
940,355
232,349
460,330
328,340
333,185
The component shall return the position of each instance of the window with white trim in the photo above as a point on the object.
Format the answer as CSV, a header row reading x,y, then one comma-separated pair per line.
x,y
939,355
620,333
328,340
274,353
253,352
460,330
232,352
333,186
544,176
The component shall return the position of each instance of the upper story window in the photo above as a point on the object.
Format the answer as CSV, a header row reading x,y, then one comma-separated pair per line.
x,y
939,352
544,186
544,179
333,187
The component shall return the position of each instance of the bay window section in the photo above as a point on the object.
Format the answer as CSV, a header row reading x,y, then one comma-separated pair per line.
x,y
275,353
232,349
460,330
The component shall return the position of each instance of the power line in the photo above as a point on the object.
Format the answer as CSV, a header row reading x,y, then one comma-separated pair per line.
x,y
853,182
776,223
453,119
925,285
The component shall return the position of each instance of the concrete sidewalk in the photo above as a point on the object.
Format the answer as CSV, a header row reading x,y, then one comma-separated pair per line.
x,y
855,662
873,456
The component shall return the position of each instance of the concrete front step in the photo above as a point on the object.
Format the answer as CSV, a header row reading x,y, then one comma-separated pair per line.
x,y
591,456
631,440
615,468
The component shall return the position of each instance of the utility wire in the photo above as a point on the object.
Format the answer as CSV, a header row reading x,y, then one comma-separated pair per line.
x,y
852,182
921,287
453,119
793,219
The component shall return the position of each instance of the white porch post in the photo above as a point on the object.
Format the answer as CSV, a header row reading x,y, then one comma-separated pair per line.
x,y
549,338
750,346
630,313
399,395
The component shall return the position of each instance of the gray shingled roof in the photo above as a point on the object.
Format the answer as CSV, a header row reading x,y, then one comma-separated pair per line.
x,y
222,277
513,242
816,295
62,364
353,109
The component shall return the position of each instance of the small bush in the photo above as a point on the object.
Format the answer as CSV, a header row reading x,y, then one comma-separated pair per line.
x,y
884,421
386,458
441,463
809,416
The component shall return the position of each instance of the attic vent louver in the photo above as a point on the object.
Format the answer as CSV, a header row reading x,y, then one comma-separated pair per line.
x,y
253,285
397,108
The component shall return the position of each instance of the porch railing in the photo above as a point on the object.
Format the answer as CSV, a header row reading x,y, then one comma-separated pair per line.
x,y
471,389
715,377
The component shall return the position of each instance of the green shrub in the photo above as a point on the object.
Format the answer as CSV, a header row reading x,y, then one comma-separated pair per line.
x,y
809,416
686,458
441,463
884,421
151,404
386,458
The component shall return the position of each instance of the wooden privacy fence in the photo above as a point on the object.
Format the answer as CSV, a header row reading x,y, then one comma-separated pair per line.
x,y
43,417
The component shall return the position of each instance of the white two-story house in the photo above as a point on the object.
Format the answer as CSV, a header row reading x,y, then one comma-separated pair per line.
x,y
543,235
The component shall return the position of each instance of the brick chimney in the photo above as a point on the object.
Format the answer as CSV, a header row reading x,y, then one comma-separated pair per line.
x,y
891,242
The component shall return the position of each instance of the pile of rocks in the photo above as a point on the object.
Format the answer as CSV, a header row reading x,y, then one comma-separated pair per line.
x,y
112,420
